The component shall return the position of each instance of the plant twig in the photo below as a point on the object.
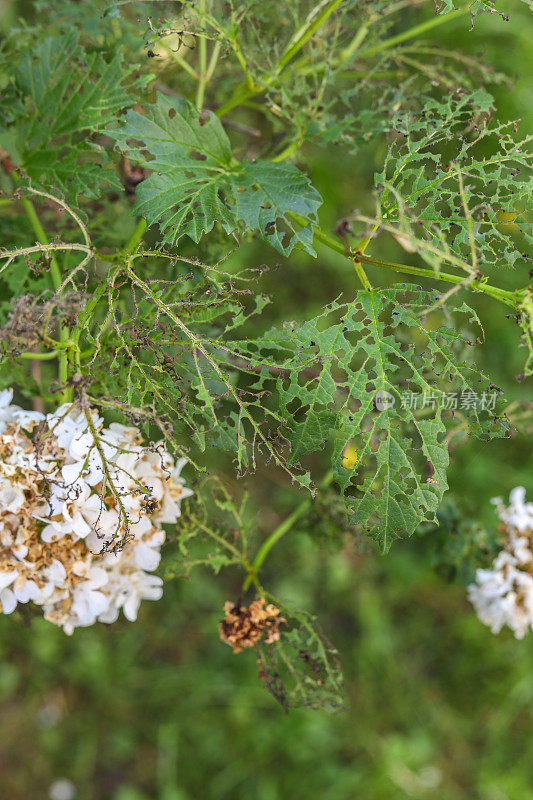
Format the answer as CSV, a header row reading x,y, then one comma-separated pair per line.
x,y
512,299
416,30
283,528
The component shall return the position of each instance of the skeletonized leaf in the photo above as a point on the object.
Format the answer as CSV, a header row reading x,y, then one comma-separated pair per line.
x,y
382,380
463,202
302,667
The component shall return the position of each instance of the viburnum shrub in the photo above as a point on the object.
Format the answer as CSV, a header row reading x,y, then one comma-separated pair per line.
x,y
142,144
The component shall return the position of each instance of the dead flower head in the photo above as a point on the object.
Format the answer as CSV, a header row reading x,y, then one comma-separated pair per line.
x,y
244,626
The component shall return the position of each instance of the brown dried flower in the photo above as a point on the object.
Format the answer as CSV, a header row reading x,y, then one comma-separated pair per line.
x,y
244,626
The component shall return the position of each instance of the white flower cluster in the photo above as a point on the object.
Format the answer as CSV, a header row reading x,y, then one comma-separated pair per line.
x,y
70,490
503,595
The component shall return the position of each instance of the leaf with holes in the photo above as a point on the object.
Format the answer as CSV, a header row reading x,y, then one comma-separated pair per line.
x,y
302,668
471,206
195,182
383,381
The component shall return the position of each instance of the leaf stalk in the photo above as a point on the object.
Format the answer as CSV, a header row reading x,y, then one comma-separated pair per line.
x,y
283,528
481,285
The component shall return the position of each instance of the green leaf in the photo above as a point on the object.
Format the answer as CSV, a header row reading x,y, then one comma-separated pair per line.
x,y
365,369
302,667
70,90
265,192
196,183
61,95
463,200
475,7
200,543
185,364
459,544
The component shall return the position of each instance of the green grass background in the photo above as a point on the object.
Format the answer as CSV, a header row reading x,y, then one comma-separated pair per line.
x,y
162,710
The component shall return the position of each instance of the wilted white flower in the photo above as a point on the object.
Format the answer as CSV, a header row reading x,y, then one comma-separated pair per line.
x,y
81,509
503,595
518,515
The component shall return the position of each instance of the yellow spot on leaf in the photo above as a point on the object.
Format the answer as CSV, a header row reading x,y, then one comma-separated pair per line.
x,y
349,456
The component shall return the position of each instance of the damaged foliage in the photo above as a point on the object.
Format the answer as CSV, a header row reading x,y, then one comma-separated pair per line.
x,y
245,626
130,184
302,667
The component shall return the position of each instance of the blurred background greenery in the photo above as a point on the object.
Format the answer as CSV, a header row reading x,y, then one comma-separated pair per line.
x,y
438,706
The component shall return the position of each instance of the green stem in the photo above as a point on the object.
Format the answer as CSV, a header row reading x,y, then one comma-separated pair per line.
x,y
359,75
207,72
477,285
314,21
288,151
350,51
134,240
242,93
39,356
220,539
86,315
361,274
213,62
283,528
202,66
55,274
416,30
242,61
129,248
107,474
181,61
346,55
35,222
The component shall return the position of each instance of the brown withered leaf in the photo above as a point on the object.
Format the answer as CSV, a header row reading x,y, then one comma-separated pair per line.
x,y
245,626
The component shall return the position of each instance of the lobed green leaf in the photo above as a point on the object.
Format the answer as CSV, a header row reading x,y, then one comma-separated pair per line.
x,y
196,183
